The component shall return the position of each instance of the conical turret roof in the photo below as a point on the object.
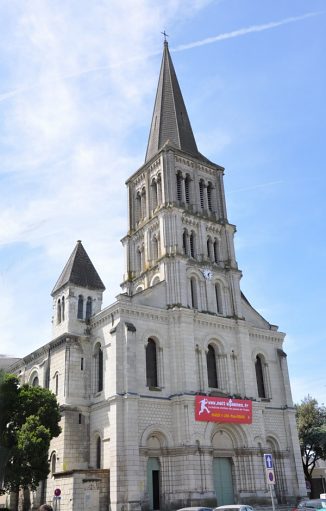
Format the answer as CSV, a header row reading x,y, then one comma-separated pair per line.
x,y
80,271
170,122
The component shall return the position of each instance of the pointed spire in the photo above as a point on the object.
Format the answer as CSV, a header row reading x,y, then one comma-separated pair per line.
x,y
80,271
170,122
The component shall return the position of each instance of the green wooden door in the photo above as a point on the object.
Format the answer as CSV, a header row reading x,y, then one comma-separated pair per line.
x,y
223,483
153,483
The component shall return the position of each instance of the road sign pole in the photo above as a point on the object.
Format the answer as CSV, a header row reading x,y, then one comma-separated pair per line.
x,y
271,490
270,475
56,499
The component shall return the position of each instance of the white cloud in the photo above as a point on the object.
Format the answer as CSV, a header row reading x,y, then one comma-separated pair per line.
x,y
78,80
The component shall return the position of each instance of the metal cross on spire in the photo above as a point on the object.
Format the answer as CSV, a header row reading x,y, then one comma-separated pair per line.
x,y
165,35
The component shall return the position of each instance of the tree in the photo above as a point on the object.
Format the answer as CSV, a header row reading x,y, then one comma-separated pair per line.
x,y
29,419
311,423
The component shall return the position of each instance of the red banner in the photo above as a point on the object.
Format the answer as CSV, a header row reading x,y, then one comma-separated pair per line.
x,y
223,409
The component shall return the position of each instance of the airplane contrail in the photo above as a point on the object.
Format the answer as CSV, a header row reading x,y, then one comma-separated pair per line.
x,y
12,93
244,31
209,40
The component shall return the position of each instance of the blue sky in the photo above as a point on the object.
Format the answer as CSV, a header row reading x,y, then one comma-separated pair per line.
x,y
77,88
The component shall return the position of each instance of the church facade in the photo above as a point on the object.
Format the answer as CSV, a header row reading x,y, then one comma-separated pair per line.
x,y
135,380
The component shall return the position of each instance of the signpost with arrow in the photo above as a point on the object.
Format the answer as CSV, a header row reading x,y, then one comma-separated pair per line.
x,y
270,475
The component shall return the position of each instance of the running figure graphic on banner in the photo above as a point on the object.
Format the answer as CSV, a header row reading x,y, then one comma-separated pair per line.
x,y
203,407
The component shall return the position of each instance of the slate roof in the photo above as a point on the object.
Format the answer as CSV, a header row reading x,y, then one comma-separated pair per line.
x,y
80,271
170,121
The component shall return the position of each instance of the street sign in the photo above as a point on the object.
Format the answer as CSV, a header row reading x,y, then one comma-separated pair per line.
x,y
270,475
269,468
268,460
57,492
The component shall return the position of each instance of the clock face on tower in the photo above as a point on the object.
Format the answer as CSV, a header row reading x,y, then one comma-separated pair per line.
x,y
208,274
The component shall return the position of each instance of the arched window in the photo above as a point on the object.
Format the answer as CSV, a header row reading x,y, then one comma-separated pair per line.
x,y
260,377
56,383
159,189
193,245
98,452
193,293
47,376
179,187
201,193
209,248
35,381
100,371
156,280
154,194
185,242
151,364
210,196
138,260
187,188
155,247
211,367
59,311
53,463
80,310
88,308
138,208
216,252
218,298
143,203
142,258
98,368
63,308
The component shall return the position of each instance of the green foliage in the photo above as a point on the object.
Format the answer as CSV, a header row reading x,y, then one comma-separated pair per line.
x,y
29,419
8,404
311,423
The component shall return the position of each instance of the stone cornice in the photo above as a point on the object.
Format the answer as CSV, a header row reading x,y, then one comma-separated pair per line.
x,y
43,351
127,309
69,473
265,335
195,164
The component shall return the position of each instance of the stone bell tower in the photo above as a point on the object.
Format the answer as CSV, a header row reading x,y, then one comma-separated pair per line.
x,y
178,227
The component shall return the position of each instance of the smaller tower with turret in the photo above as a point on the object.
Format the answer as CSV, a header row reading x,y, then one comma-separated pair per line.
x,y
77,295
